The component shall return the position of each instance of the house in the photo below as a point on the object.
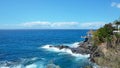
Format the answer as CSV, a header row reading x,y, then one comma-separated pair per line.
x,y
116,25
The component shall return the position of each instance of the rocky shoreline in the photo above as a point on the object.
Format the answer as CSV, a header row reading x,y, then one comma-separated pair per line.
x,y
84,48
103,54
79,50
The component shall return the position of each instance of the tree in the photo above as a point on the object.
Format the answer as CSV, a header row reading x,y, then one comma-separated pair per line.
x,y
103,34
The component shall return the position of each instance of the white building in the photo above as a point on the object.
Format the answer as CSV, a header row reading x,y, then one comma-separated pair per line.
x,y
117,29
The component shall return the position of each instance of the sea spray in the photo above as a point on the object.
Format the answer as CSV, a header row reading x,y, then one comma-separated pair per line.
x,y
75,45
64,50
24,63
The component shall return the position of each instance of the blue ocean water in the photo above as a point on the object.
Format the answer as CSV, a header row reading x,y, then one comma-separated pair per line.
x,y
23,48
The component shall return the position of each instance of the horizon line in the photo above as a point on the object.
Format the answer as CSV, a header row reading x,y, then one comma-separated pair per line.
x,y
48,29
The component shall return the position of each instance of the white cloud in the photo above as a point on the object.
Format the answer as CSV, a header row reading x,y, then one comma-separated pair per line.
x,y
49,24
37,23
118,5
54,25
92,25
63,25
114,4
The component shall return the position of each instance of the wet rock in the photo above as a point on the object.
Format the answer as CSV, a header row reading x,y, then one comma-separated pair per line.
x,y
79,50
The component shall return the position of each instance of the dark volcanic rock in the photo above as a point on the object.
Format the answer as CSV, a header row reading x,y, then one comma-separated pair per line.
x,y
80,50
61,47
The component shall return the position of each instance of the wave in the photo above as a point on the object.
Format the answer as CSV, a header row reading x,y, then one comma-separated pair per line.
x,y
65,50
24,63
34,65
75,45
28,66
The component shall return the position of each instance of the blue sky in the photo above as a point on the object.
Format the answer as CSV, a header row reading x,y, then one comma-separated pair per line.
x,y
57,14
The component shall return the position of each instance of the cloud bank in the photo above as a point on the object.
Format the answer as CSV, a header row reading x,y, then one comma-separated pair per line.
x,y
53,25
114,4
62,25
49,24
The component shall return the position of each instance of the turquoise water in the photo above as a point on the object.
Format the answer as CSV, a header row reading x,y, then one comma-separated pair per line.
x,y
28,48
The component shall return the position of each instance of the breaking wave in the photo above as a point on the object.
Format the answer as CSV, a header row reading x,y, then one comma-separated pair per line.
x,y
24,63
65,50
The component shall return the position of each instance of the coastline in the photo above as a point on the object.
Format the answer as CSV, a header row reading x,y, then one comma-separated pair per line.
x,y
87,50
82,49
104,55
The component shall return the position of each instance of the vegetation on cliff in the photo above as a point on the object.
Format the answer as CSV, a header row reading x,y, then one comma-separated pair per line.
x,y
107,43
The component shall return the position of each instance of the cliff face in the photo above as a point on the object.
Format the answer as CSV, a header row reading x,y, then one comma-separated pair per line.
x,y
107,56
106,49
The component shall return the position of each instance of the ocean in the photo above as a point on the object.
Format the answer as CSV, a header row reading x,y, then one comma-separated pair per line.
x,y
29,48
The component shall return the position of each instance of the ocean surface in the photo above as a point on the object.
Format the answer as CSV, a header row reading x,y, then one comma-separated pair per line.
x,y
30,49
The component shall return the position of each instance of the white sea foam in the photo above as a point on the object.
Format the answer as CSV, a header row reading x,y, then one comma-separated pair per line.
x,y
34,58
32,66
35,65
39,64
18,66
75,45
4,67
46,46
64,50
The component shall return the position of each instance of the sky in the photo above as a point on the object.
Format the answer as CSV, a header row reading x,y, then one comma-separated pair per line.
x,y
57,14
